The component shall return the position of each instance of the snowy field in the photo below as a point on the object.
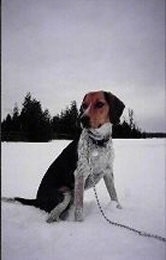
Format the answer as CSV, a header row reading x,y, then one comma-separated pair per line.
x,y
139,170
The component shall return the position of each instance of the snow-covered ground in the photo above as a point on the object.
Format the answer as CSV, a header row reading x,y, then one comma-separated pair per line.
x,y
139,170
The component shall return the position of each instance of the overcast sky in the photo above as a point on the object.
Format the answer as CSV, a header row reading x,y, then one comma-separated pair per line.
x,y
61,49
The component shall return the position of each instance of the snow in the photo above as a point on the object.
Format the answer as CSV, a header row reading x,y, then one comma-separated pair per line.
x,y
139,170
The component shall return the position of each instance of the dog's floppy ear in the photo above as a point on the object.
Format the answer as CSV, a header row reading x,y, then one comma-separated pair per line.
x,y
81,109
116,107
80,113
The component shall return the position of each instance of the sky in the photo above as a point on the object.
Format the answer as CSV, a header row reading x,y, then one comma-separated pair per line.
x,y
61,49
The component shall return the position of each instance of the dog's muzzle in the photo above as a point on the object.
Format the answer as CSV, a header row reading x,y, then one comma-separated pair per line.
x,y
85,121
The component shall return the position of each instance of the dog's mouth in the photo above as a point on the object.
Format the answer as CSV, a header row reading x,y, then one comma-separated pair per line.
x,y
99,125
85,123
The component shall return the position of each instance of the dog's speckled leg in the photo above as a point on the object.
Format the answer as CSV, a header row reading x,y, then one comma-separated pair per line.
x,y
78,197
109,182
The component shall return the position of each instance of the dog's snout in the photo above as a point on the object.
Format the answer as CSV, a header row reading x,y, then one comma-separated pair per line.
x,y
85,120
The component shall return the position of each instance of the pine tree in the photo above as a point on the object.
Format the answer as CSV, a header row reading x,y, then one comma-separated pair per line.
x,y
6,127
35,123
16,126
65,124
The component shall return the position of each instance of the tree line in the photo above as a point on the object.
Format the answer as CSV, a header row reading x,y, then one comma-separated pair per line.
x,y
33,124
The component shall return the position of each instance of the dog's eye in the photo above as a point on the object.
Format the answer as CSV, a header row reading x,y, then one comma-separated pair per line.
x,y
99,104
84,106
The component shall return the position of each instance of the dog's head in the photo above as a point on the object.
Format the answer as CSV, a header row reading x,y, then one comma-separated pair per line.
x,y
99,108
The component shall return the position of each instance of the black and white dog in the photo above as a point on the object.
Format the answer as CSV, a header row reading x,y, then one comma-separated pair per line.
x,y
83,162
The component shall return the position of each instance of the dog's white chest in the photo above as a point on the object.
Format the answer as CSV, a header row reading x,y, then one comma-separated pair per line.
x,y
95,153
94,161
98,160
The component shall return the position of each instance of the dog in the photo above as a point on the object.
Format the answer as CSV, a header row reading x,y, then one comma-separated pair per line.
x,y
83,163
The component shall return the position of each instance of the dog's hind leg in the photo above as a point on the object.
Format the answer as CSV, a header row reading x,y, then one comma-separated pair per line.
x,y
59,209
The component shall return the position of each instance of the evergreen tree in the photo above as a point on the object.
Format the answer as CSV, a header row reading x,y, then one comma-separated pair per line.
x,y
35,123
65,124
131,118
6,127
16,126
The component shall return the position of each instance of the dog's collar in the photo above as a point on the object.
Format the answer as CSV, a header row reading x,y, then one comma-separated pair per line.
x,y
101,135
101,142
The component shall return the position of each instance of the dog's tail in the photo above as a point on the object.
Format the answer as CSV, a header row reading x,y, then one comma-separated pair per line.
x,y
30,202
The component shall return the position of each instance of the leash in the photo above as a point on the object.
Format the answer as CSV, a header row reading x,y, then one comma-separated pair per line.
x,y
139,232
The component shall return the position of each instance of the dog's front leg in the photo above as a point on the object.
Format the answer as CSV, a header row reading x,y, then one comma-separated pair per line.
x,y
78,197
109,182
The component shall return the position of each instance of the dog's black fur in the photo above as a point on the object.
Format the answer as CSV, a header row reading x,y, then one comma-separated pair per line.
x,y
59,174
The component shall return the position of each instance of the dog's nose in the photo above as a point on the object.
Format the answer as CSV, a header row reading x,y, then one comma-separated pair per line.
x,y
85,120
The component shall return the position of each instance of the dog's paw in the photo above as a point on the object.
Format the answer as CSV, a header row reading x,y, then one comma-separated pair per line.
x,y
115,204
53,216
118,206
52,219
